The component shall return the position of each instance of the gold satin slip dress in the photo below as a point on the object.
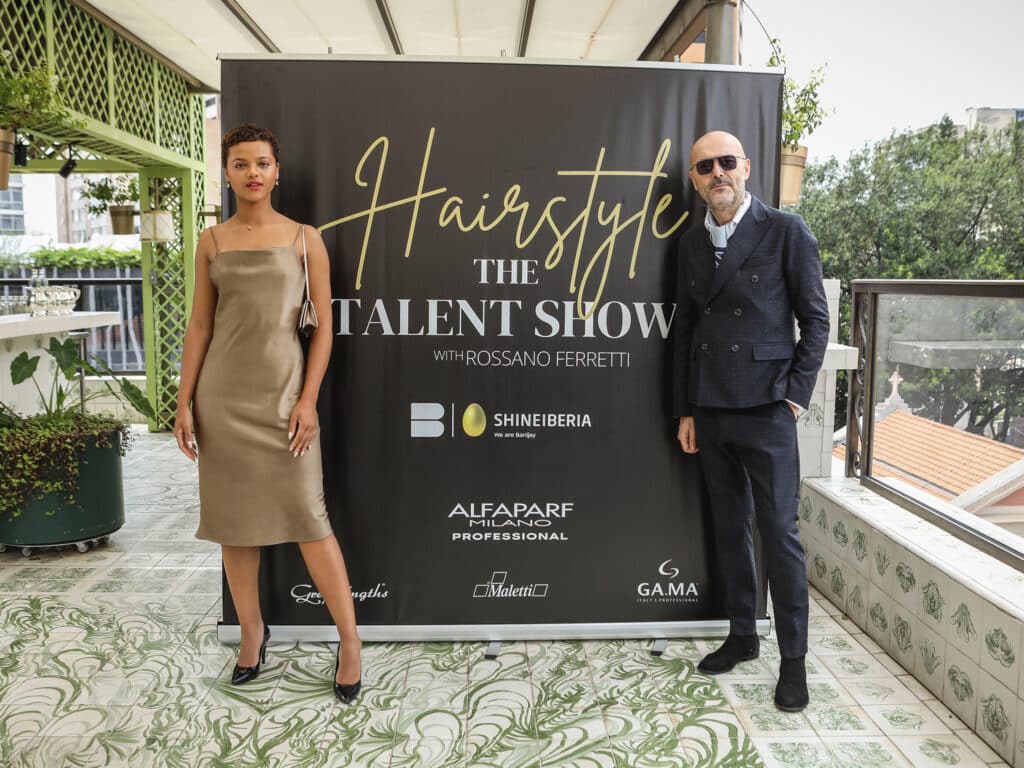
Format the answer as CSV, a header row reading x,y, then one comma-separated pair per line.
x,y
252,492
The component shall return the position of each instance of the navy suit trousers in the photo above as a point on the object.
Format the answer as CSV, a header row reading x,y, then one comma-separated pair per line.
x,y
752,469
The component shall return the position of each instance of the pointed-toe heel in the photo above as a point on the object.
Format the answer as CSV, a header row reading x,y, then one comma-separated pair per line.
x,y
346,693
244,674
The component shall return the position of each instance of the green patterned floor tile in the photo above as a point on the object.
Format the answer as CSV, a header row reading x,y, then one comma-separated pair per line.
x,y
626,681
431,724
511,664
444,694
767,720
556,658
573,691
937,752
906,720
288,738
841,721
636,723
255,695
879,690
680,685
359,735
616,652
795,753
739,752
865,753
483,751
428,751
213,736
80,753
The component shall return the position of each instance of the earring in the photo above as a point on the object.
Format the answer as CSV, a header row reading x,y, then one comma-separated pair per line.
x,y
277,182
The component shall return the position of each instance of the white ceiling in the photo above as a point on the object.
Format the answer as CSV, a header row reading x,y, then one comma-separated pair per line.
x,y
191,33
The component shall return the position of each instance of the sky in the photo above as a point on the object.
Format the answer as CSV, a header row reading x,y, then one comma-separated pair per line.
x,y
893,64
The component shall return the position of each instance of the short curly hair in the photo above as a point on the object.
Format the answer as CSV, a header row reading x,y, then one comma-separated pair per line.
x,y
248,132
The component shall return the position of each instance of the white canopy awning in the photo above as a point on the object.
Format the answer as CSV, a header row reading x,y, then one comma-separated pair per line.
x,y
191,33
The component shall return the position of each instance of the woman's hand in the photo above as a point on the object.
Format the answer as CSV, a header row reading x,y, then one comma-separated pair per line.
x,y
184,433
302,427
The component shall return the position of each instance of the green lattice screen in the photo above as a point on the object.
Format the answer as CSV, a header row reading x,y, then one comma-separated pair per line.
x,y
81,60
23,31
133,110
169,270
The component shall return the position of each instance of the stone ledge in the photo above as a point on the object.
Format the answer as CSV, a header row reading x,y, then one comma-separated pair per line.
x,y
951,615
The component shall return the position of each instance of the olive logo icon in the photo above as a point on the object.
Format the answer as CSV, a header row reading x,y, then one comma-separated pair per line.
x,y
474,420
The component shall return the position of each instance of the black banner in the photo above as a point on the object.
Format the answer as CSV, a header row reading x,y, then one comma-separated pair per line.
x,y
496,421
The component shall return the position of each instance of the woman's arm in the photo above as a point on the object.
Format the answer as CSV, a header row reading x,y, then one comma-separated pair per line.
x,y
197,341
303,423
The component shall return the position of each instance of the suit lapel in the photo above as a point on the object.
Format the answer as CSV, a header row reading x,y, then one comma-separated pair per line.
x,y
742,243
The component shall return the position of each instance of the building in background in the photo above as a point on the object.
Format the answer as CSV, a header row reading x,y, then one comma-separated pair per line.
x,y
994,119
12,207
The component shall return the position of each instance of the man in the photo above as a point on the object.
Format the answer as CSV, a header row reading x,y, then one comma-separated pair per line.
x,y
741,381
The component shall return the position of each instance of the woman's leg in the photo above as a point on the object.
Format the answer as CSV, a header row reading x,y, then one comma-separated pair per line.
x,y
242,565
326,565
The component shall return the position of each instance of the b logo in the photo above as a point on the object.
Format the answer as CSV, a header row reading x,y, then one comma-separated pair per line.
x,y
426,420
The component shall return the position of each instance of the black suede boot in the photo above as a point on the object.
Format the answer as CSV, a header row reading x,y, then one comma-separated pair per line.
x,y
791,692
735,649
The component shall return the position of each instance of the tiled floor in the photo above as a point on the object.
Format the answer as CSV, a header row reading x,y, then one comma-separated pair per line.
x,y
110,658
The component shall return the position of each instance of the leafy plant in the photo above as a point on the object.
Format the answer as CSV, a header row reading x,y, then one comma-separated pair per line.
x,y
39,454
30,97
99,195
802,112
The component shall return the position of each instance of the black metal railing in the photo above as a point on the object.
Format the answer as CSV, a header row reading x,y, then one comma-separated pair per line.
x,y
115,289
948,356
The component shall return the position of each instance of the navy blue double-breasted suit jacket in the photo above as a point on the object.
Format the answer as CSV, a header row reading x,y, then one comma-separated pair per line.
x,y
735,344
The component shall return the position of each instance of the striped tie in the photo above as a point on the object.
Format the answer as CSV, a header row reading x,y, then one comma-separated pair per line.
x,y
719,253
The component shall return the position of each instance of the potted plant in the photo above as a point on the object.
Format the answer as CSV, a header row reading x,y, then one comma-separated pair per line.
x,y
60,469
28,98
802,113
117,194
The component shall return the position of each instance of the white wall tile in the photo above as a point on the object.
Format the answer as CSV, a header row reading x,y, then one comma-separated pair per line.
x,y
963,621
997,716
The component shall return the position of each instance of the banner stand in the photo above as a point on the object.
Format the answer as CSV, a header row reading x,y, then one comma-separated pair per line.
x,y
374,633
500,458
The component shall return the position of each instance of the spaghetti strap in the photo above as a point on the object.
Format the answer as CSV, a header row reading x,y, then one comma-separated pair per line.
x,y
301,227
216,246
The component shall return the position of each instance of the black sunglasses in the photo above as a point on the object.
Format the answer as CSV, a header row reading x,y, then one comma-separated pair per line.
x,y
726,162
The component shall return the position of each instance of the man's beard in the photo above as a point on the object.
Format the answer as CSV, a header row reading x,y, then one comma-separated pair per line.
x,y
719,205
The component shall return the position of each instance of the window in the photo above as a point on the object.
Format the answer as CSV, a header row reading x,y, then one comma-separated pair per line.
x,y
12,225
12,199
944,405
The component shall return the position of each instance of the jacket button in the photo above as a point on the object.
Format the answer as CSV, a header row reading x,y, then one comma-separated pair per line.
x,y
707,310
735,347
753,278
703,347
737,311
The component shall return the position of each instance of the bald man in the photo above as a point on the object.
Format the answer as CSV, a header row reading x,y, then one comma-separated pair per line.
x,y
741,380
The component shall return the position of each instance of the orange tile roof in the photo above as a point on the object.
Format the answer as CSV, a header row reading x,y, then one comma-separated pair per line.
x,y
942,460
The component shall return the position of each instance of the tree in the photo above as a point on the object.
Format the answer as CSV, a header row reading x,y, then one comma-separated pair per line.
x,y
931,204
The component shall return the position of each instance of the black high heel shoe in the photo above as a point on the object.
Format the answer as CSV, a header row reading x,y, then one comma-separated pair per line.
x,y
345,692
245,674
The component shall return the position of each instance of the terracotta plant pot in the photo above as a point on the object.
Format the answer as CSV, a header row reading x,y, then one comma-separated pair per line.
x,y
122,219
6,155
791,174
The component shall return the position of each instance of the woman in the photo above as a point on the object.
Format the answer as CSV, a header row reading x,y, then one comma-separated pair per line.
x,y
254,401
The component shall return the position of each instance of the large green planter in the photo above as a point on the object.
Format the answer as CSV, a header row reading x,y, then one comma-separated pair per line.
x,y
99,512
